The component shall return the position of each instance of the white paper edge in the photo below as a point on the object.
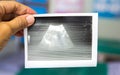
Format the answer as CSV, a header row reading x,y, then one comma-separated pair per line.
x,y
67,63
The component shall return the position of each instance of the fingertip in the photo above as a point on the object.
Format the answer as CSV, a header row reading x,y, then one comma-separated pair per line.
x,y
19,34
31,11
30,19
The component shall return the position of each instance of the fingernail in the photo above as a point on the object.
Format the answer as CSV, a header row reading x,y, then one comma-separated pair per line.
x,y
30,19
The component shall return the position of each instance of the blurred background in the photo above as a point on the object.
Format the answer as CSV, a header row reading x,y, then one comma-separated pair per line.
x,y
12,57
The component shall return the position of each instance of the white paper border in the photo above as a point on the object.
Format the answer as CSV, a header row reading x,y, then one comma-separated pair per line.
x,y
66,63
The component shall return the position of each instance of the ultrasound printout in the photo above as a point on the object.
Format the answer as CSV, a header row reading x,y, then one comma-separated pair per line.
x,y
61,41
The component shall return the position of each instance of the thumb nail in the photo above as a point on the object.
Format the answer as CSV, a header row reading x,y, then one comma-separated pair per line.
x,y
30,19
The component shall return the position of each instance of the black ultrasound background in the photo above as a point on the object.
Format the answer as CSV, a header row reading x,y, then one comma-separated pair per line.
x,y
79,28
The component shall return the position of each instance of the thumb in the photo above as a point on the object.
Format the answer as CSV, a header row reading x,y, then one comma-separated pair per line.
x,y
21,22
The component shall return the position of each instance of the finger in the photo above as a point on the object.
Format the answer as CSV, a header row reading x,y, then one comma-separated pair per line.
x,y
19,33
5,33
14,8
20,23
8,17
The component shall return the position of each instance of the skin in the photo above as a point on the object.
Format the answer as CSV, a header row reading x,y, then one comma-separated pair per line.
x,y
14,17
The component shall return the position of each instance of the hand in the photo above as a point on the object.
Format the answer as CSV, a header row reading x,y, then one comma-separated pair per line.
x,y
13,18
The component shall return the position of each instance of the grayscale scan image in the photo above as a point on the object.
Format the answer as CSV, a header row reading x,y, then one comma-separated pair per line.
x,y
60,38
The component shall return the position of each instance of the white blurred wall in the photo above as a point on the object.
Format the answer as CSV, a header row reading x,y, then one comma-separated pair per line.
x,y
107,28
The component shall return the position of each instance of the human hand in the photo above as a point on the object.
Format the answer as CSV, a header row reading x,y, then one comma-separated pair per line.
x,y
13,18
